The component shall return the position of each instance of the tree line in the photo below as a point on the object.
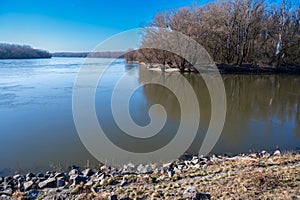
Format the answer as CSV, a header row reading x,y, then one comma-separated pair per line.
x,y
13,51
103,54
233,32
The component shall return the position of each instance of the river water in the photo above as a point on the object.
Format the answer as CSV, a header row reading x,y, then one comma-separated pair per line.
x,y
38,133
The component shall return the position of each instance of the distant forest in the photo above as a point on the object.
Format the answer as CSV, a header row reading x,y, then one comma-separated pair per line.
x,y
13,51
105,54
234,32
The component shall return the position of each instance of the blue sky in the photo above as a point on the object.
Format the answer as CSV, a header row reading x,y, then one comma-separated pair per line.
x,y
75,25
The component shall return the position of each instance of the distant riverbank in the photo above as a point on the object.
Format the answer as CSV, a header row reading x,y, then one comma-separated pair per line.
x,y
258,175
14,51
104,54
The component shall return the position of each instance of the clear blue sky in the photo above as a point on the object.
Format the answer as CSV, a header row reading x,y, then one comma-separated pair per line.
x,y
77,25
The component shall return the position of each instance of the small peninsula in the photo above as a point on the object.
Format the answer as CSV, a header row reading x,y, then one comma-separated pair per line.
x,y
14,51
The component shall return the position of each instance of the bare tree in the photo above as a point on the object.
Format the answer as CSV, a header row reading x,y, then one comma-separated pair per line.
x,y
235,32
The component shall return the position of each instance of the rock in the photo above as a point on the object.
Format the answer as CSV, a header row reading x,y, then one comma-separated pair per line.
x,y
264,153
101,177
215,158
21,186
76,179
29,176
105,169
33,194
60,174
28,185
8,186
7,179
197,166
129,168
8,191
8,182
144,169
61,182
89,183
39,175
177,170
171,173
87,172
50,173
159,170
1,179
191,193
74,172
113,197
17,177
50,182
34,179
124,181
167,165
195,160
6,197
187,163
277,153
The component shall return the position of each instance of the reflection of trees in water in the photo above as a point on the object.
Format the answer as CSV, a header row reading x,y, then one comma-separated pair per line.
x,y
249,97
264,98
157,94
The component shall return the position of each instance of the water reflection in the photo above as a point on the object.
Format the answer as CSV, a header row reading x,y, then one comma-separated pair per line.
x,y
37,128
262,110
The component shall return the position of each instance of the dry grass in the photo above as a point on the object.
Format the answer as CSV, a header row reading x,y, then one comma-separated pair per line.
x,y
268,177
244,177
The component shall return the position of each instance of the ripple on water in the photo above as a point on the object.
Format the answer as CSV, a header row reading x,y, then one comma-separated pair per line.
x,y
7,99
15,87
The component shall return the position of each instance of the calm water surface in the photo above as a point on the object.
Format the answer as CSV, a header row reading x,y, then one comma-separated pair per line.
x,y
38,133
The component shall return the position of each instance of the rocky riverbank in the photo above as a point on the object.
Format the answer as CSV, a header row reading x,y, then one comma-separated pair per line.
x,y
261,175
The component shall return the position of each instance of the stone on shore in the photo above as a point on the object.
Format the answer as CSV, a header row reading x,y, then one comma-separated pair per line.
x,y
124,181
6,197
28,185
76,179
50,182
87,172
277,153
113,197
191,193
33,194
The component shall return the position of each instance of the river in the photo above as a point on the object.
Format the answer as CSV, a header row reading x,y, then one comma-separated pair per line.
x,y
38,133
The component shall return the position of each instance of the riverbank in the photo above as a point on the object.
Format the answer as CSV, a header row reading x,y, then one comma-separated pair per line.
x,y
254,176
229,69
251,69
